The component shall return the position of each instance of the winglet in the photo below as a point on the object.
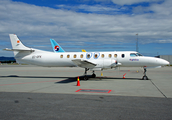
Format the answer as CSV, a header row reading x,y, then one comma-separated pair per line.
x,y
56,46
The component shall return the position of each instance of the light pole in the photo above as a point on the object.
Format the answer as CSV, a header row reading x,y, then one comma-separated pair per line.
x,y
137,49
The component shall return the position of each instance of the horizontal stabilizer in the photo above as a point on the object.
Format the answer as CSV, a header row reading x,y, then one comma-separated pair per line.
x,y
84,63
18,50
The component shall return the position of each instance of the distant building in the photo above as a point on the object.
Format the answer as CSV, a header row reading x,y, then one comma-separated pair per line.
x,y
7,59
167,57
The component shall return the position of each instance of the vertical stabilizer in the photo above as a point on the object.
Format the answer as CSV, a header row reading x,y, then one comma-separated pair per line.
x,y
83,50
16,43
56,46
18,47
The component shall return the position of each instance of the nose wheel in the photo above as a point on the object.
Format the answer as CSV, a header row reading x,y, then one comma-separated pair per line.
x,y
145,77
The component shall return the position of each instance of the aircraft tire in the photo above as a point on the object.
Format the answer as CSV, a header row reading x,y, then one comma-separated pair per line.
x,y
85,78
145,78
93,75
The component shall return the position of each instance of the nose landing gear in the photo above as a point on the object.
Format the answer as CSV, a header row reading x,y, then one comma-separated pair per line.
x,y
145,77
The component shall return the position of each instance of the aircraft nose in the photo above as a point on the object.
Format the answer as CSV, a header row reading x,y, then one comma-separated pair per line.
x,y
164,62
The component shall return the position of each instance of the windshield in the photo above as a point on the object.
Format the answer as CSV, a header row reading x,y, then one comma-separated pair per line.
x,y
135,54
138,54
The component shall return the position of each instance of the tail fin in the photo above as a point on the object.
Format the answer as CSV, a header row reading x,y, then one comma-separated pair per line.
x,y
18,47
16,43
56,46
83,50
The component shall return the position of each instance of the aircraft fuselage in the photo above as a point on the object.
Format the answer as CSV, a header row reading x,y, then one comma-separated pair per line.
x,y
104,60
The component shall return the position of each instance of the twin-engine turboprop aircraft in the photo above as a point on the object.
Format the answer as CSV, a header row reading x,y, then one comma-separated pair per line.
x,y
88,60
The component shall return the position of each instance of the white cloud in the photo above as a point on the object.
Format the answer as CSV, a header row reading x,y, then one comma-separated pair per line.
x,y
95,8
32,23
164,41
128,2
163,9
141,10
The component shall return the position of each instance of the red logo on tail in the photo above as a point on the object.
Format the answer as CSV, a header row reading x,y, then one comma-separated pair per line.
x,y
18,41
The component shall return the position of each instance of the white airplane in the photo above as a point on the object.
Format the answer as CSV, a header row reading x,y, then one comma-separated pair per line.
x,y
89,60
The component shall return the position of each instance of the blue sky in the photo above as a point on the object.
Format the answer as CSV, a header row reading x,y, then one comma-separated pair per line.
x,y
94,25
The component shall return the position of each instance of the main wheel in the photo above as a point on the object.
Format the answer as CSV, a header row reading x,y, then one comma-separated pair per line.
x,y
93,75
85,78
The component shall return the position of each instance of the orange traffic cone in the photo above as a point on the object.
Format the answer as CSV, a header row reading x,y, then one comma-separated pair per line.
x,y
78,83
124,75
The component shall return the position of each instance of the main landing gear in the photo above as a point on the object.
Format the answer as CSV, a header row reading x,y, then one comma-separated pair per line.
x,y
145,77
93,75
86,77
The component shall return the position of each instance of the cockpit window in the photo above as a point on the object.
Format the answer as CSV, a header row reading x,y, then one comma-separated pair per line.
x,y
135,54
138,54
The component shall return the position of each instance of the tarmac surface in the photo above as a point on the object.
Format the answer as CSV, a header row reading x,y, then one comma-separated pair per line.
x,y
31,92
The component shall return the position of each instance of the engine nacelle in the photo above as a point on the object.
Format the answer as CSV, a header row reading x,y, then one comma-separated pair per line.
x,y
105,63
109,63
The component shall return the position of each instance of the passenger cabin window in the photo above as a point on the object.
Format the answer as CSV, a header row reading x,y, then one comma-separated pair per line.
x,y
95,56
68,56
88,56
123,55
115,55
110,55
81,56
61,56
103,55
74,56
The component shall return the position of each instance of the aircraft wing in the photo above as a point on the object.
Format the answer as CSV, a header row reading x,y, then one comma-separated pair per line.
x,y
84,63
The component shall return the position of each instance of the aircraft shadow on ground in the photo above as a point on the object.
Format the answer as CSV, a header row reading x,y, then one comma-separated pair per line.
x,y
71,79
64,80
16,76
81,78
118,78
